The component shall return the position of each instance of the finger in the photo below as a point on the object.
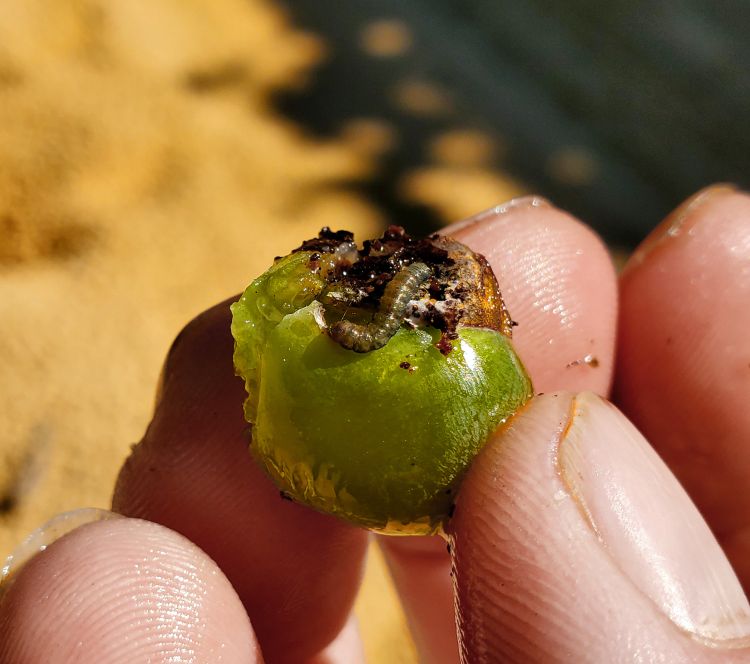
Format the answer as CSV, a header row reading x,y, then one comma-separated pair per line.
x,y
559,285
296,571
346,648
684,357
420,568
572,542
123,590
558,282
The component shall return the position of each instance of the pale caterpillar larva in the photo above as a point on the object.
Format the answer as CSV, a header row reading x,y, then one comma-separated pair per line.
x,y
362,338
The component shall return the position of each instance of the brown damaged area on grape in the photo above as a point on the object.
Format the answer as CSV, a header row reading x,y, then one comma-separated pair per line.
x,y
462,290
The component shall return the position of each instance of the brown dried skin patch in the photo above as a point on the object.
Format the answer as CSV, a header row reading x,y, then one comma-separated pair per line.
x,y
457,287
483,304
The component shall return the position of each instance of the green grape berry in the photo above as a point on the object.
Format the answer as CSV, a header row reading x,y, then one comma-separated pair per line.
x,y
375,375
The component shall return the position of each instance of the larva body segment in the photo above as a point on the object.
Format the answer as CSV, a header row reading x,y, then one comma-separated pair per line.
x,y
387,320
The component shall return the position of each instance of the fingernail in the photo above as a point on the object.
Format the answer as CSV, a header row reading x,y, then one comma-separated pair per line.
x,y
647,523
679,220
503,209
42,537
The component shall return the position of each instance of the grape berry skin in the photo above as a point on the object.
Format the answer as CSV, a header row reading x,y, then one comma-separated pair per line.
x,y
354,434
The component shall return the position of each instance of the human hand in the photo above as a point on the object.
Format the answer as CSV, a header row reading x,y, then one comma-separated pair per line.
x,y
570,541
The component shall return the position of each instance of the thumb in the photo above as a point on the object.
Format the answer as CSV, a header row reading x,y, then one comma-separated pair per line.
x,y
572,541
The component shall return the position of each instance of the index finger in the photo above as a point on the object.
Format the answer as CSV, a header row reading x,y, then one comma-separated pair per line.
x,y
558,282
296,571
683,377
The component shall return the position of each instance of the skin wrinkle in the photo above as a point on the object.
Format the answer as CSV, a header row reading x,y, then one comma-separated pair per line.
x,y
121,611
550,283
182,605
509,604
520,605
481,593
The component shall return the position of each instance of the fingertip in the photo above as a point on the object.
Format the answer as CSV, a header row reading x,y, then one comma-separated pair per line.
x,y
558,281
490,214
683,366
499,541
296,571
559,284
420,568
346,648
123,590
570,539
705,204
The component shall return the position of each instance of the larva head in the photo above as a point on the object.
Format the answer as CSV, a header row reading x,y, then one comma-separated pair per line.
x,y
374,375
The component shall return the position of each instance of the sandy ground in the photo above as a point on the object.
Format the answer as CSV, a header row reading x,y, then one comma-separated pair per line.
x,y
137,155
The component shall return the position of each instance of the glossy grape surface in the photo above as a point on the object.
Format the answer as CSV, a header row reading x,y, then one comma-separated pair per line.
x,y
381,438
